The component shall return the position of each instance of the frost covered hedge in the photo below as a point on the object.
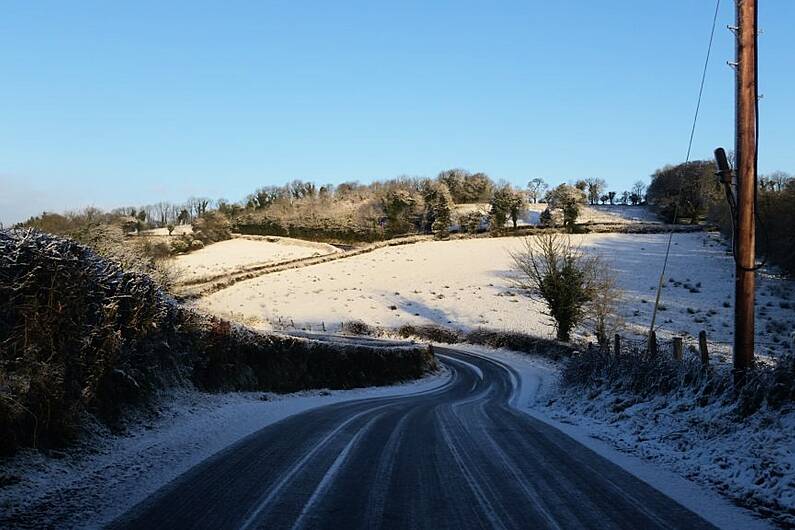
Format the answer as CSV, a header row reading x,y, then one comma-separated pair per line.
x,y
494,338
647,376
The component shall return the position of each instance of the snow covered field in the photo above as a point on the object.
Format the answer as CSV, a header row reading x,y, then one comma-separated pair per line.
x,y
242,252
465,283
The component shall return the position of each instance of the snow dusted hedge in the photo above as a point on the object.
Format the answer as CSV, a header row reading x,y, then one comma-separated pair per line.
x,y
691,419
80,335
511,340
648,375
236,358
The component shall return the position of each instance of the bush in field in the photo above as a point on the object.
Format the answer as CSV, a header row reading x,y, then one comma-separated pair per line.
x,y
466,187
438,208
506,203
568,199
431,333
684,190
399,208
546,219
470,222
180,245
552,270
157,249
211,227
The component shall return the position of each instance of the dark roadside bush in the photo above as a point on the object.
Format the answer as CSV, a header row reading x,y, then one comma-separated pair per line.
x,y
431,333
357,327
493,338
77,333
521,342
235,358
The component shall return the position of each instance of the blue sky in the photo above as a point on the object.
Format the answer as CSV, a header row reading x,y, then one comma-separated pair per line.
x,y
115,103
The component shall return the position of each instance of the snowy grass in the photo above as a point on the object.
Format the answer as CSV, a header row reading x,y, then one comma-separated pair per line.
x,y
465,284
243,252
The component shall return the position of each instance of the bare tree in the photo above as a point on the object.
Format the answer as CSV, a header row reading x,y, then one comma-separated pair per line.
x,y
638,190
536,188
595,188
602,310
778,180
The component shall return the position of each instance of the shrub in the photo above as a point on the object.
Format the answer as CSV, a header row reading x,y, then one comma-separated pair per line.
x,y
553,271
357,327
505,203
211,227
438,208
568,199
196,244
180,245
431,333
545,219
470,222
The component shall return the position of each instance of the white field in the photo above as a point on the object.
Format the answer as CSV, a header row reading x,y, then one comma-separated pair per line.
x,y
465,283
244,252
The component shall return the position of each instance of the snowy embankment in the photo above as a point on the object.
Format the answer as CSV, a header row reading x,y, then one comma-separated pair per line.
x,y
107,474
702,457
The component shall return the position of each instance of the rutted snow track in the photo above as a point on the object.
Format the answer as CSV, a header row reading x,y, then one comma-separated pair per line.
x,y
459,456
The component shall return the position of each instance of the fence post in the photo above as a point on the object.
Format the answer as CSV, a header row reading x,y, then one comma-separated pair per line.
x,y
702,347
678,348
617,345
653,343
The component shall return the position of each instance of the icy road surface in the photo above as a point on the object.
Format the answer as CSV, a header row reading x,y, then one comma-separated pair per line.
x,y
459,456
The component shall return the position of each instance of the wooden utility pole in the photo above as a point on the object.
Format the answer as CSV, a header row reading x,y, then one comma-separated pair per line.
x,y
746,157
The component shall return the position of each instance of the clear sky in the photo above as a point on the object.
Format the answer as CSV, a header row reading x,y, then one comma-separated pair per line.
x,y
115,103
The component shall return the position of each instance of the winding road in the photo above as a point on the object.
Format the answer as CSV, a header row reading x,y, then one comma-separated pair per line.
x,y
459,456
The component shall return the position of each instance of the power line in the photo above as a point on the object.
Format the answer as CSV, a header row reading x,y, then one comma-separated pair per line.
x,y
687,160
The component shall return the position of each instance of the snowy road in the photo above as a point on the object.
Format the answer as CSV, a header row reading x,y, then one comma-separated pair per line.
x,y
459,456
